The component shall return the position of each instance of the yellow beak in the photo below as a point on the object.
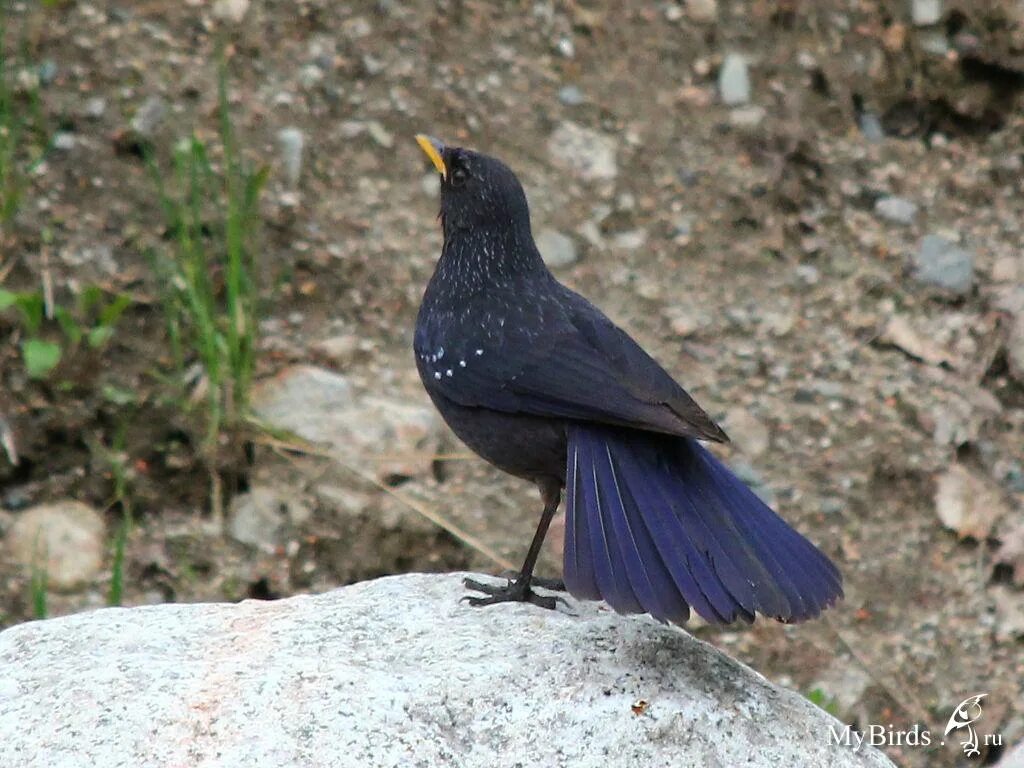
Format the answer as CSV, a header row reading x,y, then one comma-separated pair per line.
x,y
433,148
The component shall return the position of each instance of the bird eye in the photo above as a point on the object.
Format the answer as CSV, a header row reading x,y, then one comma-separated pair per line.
x,y
459,176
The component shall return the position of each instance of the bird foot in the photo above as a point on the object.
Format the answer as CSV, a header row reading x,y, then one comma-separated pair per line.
x,y
513,591
555,585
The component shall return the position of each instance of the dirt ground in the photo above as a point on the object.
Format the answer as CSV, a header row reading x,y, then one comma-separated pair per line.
x,y
744,246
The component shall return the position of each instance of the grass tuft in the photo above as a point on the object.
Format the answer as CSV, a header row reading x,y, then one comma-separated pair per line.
x,y
208,274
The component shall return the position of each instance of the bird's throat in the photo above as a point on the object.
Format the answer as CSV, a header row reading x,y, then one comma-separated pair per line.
x,y
479,258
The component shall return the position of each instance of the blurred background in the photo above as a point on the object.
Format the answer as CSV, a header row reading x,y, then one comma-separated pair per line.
x,y
215,229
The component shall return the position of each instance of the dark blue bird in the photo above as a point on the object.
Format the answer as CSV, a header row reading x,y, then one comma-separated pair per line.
x,y
537,381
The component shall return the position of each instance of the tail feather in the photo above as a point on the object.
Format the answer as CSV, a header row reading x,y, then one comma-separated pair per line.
x,y
650,579
578,575
691,572
611,570
657,524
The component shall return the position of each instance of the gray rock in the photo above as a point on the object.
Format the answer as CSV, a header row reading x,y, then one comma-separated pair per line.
x,y
924,13
571,96
386,436
871,126
557,249
149,116
95,108
734,80
290,143
257,516
945,265
65,539
898,210
584,152
392,672
64,141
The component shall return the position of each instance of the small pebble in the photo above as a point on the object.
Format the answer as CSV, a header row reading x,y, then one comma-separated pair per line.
x,y
734,80
380,134
95,108
290,142
898,210
557,249
924,13
571,96
230,10
64,141
943,264
47,72
747,117
149,116
871,126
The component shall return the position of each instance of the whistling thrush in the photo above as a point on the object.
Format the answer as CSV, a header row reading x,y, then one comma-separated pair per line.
x,y
536,380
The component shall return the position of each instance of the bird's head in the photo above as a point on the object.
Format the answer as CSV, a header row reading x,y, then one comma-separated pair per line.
x,y
477,192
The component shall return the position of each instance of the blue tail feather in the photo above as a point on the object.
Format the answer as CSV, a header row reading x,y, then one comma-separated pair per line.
x,y
692,572
578,574
652,584
609,569
657,524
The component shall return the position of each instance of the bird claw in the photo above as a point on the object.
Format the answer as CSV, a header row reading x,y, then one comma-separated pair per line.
x,y
513,591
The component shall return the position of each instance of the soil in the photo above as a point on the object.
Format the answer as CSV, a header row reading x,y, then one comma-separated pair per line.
x,y
742,248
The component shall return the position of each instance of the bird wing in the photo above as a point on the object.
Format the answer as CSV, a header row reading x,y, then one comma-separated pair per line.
x,y
559,356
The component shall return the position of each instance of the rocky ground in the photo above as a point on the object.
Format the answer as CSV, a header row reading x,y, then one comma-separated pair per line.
x,y
812,214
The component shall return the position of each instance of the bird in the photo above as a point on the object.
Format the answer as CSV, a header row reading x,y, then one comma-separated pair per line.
x,y
537,381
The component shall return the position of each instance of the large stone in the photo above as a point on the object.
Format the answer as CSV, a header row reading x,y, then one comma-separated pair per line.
x,y
64,540
393,672
384,435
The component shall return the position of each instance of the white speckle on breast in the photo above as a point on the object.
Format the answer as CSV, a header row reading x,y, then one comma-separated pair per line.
x,y
448,372
462,363
479,352
440,353
437,375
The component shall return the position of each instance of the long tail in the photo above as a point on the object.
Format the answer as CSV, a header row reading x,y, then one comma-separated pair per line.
x,y
657,524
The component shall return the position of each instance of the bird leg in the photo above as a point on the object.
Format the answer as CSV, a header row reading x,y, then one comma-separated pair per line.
x,y
518,588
